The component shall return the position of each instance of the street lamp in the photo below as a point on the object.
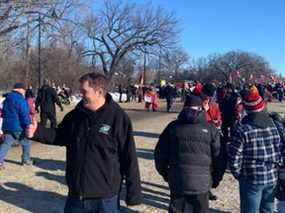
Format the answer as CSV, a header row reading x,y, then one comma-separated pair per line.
x,y
39,52
40,71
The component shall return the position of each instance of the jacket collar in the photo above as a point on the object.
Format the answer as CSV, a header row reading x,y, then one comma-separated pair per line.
x,y
17,93
188,115
258,119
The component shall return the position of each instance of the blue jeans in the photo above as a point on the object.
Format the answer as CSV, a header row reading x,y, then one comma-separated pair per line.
x,y
107,205
256,198
7,143
280,206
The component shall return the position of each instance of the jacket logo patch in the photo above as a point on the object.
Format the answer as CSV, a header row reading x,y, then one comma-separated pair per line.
x,y
205,130
104,129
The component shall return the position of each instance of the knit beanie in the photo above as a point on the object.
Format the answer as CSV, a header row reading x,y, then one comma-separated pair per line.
x,y
252,101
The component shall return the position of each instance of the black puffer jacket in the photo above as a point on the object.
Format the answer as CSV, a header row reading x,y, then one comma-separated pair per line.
x,y
100,151
185,152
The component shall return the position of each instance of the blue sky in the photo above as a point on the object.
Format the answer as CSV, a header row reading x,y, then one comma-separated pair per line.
x,y
217,26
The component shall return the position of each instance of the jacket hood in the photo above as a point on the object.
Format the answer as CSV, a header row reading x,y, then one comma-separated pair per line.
x,y
191,116
13,94
45,86
258,119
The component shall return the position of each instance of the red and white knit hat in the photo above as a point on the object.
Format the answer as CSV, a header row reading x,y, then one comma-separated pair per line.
x,y
252,101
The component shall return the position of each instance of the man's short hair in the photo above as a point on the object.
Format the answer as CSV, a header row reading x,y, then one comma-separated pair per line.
x,y
96,80
46,81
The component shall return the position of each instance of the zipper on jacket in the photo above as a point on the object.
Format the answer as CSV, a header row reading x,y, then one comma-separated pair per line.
x,y
82,169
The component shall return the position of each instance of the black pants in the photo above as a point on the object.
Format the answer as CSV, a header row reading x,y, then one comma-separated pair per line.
x,y
190,204
48,115
169,102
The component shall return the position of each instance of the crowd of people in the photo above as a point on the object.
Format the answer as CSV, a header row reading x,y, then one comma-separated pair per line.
x,y
150,94
221,126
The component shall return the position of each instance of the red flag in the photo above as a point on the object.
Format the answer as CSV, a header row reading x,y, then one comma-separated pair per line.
x,y
141,78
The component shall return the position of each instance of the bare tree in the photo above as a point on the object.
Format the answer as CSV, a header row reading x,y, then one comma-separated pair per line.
x,y
232,66
20,20
237,61
14,13
119,29
174,60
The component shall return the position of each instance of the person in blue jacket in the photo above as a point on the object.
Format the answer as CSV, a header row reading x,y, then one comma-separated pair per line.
x,y
15,120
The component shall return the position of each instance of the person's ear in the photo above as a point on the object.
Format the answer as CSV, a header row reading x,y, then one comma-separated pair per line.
x,y
101,92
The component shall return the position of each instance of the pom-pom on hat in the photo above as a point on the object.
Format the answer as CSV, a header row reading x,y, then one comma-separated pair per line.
x,y
252,101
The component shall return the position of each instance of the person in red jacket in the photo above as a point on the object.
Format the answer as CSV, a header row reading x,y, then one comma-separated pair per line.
x,y
151,98
211,108
213,115
148,99
31,102
154,99
198,88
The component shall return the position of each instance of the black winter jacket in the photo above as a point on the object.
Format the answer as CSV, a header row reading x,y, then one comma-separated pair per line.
x,y
46,99
185,152
100,151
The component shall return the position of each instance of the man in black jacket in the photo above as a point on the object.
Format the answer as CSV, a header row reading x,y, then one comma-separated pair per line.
x,y
46,100
169,92
186,157
100,150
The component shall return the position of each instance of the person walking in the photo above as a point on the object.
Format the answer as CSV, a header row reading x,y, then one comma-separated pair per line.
x,y
46,100
186,157
100,150
15,121
169,92
213,115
